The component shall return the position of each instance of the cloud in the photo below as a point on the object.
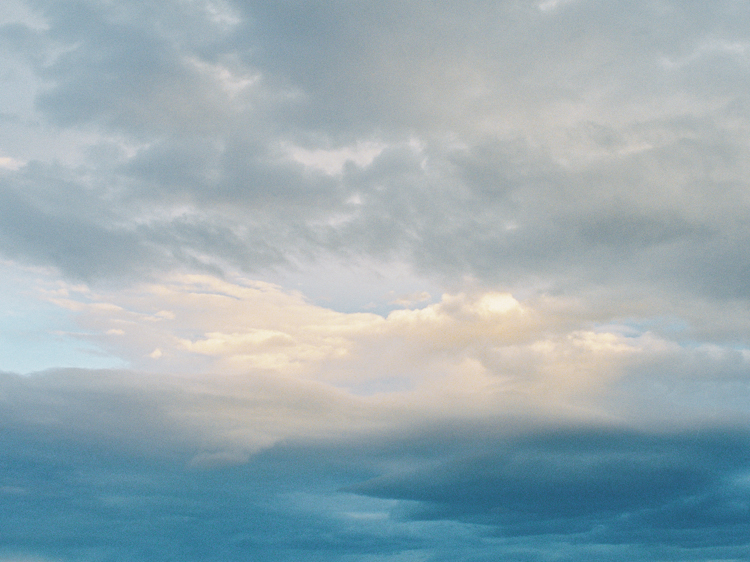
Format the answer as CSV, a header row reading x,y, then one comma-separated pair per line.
x,y
242,351
9,163
510,427
575,477
214,420
545,202
101,505
484,349
481,422
679,494
73,244
437,492
496,141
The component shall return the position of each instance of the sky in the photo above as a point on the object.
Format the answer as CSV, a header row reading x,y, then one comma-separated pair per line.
x,y
413,281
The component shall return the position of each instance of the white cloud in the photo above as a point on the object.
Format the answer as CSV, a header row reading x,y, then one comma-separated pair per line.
x,y
332,161
477,354
10,163
551,5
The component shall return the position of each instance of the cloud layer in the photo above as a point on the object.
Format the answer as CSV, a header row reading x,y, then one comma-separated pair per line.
x,y
563,144
478,424
397,281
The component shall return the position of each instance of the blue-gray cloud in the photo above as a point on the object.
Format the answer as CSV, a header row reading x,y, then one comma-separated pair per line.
x,y
445,494
611,484
122,465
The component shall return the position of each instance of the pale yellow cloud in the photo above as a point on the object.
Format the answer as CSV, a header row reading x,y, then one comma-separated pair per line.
x,y
10,163
233,366
483,346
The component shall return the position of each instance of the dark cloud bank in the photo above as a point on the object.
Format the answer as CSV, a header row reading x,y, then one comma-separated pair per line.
x,y
100,466
568,494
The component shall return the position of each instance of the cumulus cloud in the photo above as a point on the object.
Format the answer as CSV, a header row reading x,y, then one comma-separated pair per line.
x,y
485,344
242,352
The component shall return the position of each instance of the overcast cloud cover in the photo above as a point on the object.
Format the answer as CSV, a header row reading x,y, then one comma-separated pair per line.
x,y
374,281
